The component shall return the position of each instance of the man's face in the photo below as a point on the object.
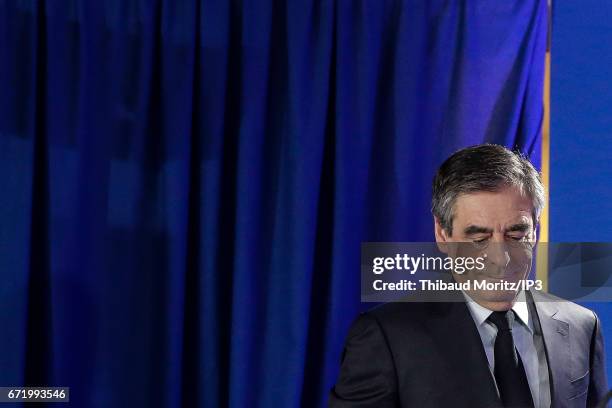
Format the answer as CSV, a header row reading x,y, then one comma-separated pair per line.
x,y
497,226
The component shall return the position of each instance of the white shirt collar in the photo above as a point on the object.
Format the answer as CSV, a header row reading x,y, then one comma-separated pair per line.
x,y
480,314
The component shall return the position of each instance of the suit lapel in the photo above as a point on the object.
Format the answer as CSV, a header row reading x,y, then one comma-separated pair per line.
x,y
555,333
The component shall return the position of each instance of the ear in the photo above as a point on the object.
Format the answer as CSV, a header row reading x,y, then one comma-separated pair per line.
x,y
534,233
441,236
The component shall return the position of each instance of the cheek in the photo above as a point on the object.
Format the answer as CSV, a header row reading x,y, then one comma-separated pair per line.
x,y
466,249
522,253
520,263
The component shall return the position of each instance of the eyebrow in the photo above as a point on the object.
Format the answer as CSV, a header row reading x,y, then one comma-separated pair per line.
x,y
475,229
521,227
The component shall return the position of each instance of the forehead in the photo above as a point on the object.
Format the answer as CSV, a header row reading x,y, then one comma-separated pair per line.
x,y
492,209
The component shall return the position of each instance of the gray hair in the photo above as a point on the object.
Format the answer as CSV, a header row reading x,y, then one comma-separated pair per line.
x,y
485,167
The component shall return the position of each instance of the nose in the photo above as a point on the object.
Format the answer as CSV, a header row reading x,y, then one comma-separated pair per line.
x,y
497,254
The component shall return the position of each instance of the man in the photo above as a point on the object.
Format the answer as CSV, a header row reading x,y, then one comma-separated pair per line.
x,y
493,348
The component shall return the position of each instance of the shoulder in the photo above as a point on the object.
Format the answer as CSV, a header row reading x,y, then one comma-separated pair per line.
x,y
401,319
565,310
399,312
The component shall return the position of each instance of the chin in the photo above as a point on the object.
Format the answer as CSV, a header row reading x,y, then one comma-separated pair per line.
x,y
497,300
499,306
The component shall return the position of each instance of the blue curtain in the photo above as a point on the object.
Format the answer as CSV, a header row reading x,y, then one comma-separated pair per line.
x,y
184,186
581,207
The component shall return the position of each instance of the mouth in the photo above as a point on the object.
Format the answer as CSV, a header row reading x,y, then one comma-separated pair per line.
x,y
511,278
510,274
493,278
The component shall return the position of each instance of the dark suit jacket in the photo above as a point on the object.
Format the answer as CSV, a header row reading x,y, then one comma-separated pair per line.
x,y
431,355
